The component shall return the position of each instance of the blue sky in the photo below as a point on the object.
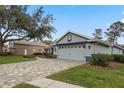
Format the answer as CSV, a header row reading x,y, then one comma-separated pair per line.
x,y
83,19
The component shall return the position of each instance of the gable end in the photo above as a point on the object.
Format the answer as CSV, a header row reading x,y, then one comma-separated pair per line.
x,y
73,34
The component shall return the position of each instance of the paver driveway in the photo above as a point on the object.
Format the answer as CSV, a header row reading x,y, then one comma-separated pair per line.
x,y
15,73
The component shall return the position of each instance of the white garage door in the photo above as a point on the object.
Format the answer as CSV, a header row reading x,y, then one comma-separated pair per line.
x,y
72,54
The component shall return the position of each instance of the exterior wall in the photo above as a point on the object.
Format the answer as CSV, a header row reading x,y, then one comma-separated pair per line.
x,y
55,50
50,49
117,51
20,49
74,39
80,53
101,49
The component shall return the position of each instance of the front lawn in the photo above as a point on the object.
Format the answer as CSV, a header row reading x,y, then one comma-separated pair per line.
x,y
25,86
93,76
13,59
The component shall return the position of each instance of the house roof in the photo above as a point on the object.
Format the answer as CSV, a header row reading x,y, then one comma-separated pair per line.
x,y
30,43
74,33
73,43
89,40
92,41
115,45
84,42
122,45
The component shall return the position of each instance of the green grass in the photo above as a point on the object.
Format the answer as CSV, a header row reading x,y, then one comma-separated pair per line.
x,y
25,86
92,77
13,59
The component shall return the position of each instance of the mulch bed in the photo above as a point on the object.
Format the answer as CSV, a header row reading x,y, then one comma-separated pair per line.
x,y
111,66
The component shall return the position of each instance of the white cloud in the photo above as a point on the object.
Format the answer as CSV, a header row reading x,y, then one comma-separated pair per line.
x,y
122,20
123,12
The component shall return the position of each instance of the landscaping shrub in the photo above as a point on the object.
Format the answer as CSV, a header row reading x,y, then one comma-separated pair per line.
x,y
37,53
44,55
101,59
29,56
5,53
48,55
118,57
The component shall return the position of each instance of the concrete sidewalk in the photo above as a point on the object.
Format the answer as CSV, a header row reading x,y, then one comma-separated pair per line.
x,y
49,83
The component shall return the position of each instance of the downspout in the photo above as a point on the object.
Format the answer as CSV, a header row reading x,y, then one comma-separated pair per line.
x,y
112,49
94,48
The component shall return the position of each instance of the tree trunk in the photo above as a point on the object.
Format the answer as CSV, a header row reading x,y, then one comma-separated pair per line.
x,y
1,46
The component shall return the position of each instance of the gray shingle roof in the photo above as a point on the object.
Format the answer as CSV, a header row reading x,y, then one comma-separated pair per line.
x,y
72,32
30,43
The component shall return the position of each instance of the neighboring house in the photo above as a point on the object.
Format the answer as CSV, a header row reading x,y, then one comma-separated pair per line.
x,y
26,47
74,46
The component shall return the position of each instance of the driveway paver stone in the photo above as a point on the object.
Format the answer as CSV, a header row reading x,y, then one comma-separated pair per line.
x,y
16,73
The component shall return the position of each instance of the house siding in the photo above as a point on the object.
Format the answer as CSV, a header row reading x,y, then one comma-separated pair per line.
x,y
117,51
75,38
101,49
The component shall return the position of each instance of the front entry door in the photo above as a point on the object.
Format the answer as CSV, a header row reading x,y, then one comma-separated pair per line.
x,y
25,52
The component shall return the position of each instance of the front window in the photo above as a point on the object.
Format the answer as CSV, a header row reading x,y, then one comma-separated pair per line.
x,y
69,38
84,46
59,47
89,46
79,46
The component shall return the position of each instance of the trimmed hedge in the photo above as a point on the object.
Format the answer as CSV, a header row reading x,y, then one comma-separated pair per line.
x,y
44,55
118,58
37,53
5,53
29,56
48,55
101,59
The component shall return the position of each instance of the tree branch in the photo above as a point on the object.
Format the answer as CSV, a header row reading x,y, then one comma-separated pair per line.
x,y
17,39
14,39
7,28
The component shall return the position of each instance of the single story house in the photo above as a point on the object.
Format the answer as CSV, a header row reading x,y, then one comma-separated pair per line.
x,y
74,46
26,47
